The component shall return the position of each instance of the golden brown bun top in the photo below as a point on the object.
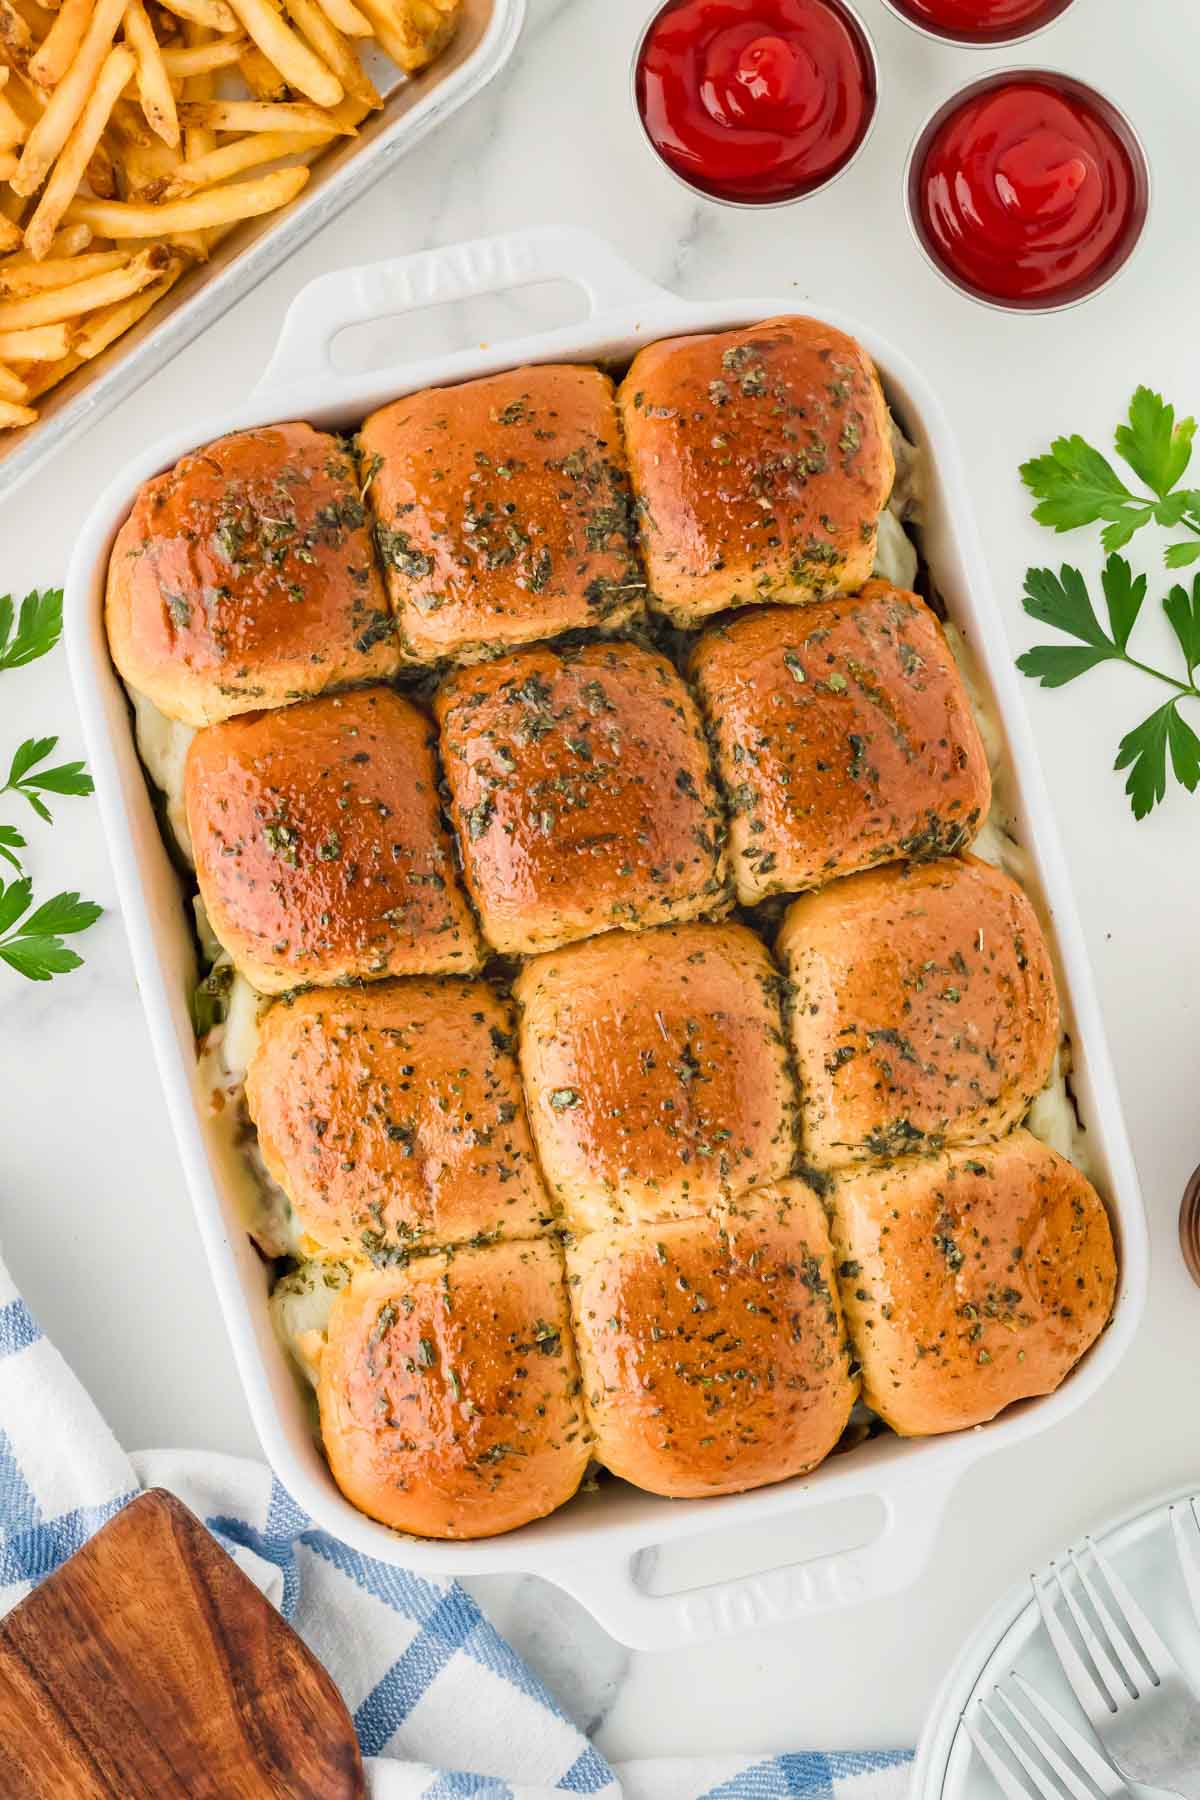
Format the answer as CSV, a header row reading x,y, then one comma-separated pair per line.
x,y
580,792
924,1008
319,848
845,737
761,458
970,1279
244,577
392,1117
449,1392
711,1350
656,1071
504,511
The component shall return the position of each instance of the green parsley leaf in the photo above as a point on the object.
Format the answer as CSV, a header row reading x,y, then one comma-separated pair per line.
x,y
1063,601
1074,485
1053,665
1124,595
33,946
1155,447
1178,556
1185,751
39,627
1183,612
25,778
1143,751
10,841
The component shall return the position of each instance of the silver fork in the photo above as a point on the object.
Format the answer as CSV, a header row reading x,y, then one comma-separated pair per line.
x,y
1140,1704
1050,1775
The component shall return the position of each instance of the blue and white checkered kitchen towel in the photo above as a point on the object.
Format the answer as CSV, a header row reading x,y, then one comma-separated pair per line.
x,y
443,1706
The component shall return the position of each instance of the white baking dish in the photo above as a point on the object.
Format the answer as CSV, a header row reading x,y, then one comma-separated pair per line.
x,y
588,1547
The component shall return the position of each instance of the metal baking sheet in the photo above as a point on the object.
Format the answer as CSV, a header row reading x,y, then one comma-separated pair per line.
x,y
412,106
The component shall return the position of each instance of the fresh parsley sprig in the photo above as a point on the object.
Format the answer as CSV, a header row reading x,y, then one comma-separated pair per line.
x,y
32,942
24,777
39,627
31,937
1075,485
1165,738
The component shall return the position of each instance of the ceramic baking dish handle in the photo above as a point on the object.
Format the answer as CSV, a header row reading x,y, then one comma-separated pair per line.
x,y
891,1562
434,277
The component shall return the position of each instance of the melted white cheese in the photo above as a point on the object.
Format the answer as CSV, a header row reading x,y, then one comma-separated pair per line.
x,y
163,746
907,498
300,1308
895,552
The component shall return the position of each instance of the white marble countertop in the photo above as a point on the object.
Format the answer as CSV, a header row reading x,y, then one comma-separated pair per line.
x,y
94,1220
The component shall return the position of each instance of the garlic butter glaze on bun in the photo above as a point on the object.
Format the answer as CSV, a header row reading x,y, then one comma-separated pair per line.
x,y
844,738
923,1008
503,512
970,1279
760,460
581,794
320,852
656,1072
449,1392
392,1117
712,1350
245,577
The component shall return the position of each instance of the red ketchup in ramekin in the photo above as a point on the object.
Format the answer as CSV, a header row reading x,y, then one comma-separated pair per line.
x,y
756,101
1028,190
980,21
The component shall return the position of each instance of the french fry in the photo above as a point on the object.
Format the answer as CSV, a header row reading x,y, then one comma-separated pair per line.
x,y
260,115
154,84
212,13
60,271
195,212
234,159
104,327
260,76
197,139
68,172
10,236
46,344
334,49
182,60
300,67
101,173
12,387
70,241
38,19
8,164
58,49
57,305
68,99
13,128
12,415
346,17
39,378
16,39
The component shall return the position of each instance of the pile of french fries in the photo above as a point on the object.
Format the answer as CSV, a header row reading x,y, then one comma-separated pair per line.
x,y
134,134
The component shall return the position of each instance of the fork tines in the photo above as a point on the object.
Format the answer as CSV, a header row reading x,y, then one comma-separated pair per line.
x,y
1052,1760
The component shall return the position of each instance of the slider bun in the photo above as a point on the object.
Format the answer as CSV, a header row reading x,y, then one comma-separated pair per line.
x,y
970,1279
449,1392
711,1350
503,511
844,737
656,1072
392,1117
923,1011
760,460
244,577
581,794
319,848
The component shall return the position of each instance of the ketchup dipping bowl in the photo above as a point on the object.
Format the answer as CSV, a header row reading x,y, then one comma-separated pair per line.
x,y
1027,190
756,102
987,22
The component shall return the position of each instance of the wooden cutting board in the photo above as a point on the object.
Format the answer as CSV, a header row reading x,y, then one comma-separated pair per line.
x,y
150,1668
